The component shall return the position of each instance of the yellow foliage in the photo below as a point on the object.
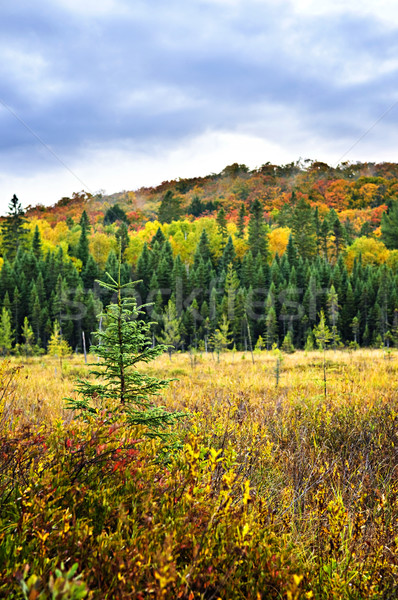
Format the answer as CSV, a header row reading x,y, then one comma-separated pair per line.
x,y
100,246
278,240
373,252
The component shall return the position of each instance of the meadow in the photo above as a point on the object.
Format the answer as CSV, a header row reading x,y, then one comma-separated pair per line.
x,y
269,488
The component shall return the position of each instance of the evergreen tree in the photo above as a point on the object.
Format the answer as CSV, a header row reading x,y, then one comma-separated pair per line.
x,y
83,250
220,339
84,221
222,225
171,336
202,250
6,332
90,273
258,238
13,228
228,255
303,228
119,388
122,236
170,208
389,226
333,306
113,214
241,221
27,346
144,272
36,243
159,237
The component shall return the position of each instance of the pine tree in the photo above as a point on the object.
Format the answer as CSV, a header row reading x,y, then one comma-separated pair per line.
x,y
120,388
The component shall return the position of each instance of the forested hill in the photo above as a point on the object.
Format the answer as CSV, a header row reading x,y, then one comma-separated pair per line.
x,y
236,259
349,187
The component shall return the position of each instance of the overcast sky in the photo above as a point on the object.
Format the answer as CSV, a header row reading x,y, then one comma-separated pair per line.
x,y
116,94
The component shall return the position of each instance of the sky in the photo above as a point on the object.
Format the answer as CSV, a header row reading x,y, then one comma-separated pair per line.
x,y
112,95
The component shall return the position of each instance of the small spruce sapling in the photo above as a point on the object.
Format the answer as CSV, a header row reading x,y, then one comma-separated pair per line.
x,y
121,390
323,336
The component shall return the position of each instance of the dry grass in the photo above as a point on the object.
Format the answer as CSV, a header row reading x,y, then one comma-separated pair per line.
x,y
202,384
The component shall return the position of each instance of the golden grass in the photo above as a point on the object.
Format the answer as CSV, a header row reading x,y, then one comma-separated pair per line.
x,y
205,385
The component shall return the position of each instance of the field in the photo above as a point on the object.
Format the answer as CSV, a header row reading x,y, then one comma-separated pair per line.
x,y
273,486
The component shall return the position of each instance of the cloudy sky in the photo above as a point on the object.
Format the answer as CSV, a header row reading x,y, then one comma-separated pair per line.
x,y
117,94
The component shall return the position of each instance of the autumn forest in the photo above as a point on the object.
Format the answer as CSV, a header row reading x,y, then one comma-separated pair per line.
x,y
241,259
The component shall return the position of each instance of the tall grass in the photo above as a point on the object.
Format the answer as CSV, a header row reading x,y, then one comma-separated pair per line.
x,y
277,492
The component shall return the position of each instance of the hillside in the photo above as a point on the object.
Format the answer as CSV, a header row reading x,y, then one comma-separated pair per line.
x,y
348,189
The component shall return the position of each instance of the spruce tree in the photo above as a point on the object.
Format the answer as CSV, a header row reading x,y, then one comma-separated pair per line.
x,y
170,208
241,221
222,226
36,243
6,332
83,251
120,389
122,236
258,238
389,226
13,228
171,337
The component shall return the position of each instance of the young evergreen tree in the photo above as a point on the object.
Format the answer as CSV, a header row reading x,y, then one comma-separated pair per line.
x,y
120,389
28,339
6,332
171,337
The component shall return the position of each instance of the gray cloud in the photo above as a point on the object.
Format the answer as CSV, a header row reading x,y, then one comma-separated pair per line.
x,y
161,73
